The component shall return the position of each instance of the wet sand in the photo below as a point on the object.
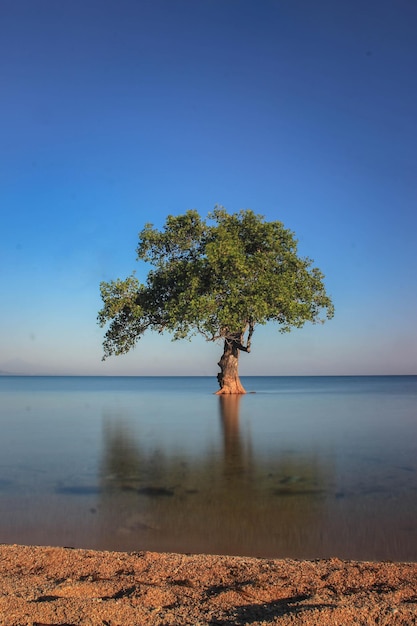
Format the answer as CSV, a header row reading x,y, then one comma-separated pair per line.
x,y
41,586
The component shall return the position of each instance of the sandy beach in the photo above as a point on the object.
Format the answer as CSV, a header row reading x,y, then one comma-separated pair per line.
x,y
42,586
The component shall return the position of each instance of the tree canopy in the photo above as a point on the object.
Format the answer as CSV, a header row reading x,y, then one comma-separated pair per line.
x,y
218,277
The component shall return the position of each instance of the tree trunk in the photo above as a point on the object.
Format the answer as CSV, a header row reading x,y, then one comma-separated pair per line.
x,y
228,377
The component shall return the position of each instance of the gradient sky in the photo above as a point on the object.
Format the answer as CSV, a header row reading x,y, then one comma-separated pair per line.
x,y
116,113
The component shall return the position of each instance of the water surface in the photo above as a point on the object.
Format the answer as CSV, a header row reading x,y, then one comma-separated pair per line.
x,y
306,467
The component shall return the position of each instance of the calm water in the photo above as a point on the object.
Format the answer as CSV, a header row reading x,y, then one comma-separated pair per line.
x,y
305,467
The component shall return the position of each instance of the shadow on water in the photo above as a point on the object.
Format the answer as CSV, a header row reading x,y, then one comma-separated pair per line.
x,y
226,499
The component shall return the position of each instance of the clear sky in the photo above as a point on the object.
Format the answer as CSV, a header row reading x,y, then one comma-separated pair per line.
x,y
116,113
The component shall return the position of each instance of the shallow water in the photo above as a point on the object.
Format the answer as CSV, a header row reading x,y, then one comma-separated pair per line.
x,y
306,467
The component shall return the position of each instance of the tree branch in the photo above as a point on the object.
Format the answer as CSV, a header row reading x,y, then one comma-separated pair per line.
x,y
251,331
234,338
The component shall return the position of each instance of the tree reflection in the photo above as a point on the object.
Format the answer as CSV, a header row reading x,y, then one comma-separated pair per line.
x,y
235,457
234,498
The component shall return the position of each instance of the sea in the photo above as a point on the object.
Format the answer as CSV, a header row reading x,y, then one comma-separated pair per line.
x,y
299,467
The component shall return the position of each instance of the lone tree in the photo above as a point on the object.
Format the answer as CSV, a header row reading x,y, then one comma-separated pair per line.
x,y
219,278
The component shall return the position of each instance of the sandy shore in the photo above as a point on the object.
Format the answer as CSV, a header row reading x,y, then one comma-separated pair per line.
x,y
44,586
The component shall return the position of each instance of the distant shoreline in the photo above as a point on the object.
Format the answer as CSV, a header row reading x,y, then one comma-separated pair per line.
x,y
243,376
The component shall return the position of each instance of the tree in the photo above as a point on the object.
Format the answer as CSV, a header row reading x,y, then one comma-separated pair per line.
x,y
218,277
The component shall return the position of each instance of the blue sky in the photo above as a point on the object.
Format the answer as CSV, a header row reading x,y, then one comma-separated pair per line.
x,y
114,114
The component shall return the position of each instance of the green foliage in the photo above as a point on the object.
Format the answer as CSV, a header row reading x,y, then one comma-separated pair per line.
x,y
219,277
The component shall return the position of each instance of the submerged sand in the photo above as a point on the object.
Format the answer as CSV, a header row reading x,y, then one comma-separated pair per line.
x,y
61,586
